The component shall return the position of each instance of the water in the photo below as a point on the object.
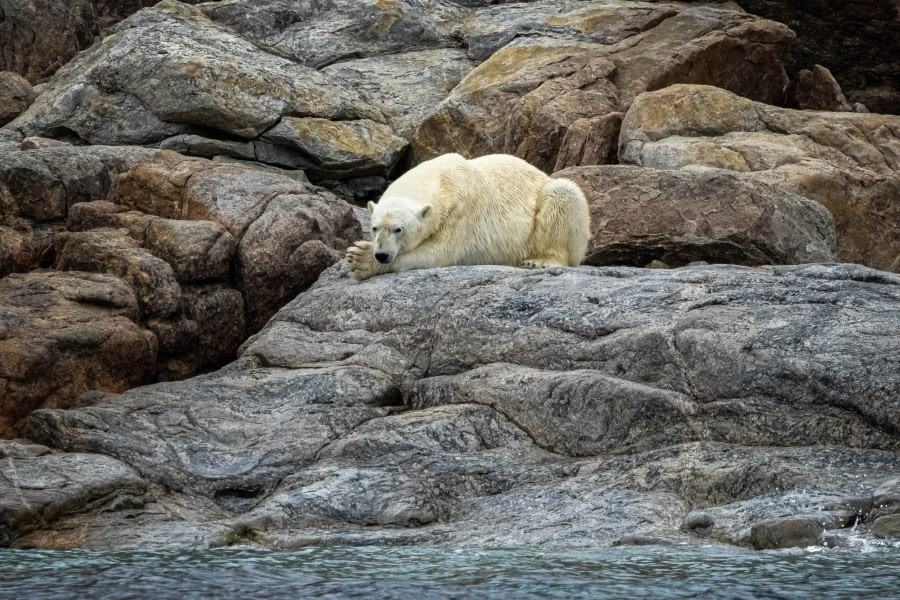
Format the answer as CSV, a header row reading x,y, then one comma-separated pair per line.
x,y
426,573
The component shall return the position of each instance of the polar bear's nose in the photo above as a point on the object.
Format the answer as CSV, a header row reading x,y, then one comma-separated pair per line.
x,y
382,257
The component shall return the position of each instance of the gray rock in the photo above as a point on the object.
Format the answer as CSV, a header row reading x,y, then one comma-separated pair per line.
x,y
195,145
786,533
496,406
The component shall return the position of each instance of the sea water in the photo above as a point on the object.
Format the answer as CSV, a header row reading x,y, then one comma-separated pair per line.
x,y
680,571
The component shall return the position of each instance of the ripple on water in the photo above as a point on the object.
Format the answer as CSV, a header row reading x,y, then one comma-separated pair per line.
x,y
688,571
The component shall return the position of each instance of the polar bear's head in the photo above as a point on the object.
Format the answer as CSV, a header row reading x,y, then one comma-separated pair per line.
x,y
398,226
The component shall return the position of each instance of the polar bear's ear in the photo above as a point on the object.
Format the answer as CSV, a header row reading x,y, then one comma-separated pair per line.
x,y
423,212
371,207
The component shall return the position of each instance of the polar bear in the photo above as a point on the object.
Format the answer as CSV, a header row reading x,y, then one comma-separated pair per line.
x,y
492,210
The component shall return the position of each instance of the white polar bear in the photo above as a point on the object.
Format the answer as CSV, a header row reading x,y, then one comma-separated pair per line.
x,y
492,210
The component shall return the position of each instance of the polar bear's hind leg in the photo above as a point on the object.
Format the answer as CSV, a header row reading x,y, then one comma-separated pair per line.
x,y
562,227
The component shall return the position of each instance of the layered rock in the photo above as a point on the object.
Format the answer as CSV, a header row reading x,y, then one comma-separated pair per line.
x,y
459,405
848,162
639,215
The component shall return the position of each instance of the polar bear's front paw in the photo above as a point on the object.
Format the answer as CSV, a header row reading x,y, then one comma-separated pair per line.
x,y
541,263
360,261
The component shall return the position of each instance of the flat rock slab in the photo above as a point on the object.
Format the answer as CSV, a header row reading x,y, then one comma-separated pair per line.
x,y
848,162
492,405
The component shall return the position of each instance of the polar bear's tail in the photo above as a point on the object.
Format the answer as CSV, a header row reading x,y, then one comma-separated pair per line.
x,y
562,224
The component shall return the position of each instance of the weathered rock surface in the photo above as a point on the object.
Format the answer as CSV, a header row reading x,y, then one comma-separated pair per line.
x,y
817,89
523,98
207,251
39,36
491,405
16,95
848,162
62,334
639,215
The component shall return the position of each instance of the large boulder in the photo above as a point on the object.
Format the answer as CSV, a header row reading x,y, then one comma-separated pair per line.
x,y
848,162
639,215
16,95
496,406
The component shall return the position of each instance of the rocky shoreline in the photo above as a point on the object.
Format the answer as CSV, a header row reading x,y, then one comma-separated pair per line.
x,y
178,186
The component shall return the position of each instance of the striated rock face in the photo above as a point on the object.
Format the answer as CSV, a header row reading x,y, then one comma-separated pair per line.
x,y
491,405
639,215
848,162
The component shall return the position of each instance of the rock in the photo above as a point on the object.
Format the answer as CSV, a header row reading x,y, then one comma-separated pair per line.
x,y
36,486
786,533
111,251
123,90
407,86
641,215
341,148
848,162
100,214
593,141
62,334
523,99
887,526
283,252
41,143
39,36
196,250
195,145
497,406
818,90
15,96
857,41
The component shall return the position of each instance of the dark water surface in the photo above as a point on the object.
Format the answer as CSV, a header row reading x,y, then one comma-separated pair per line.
x,y
414,572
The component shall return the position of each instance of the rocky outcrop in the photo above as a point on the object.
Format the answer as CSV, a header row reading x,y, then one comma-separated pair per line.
x,y
817,89
523,99
206,252
848,162
639,215
458,405
340,88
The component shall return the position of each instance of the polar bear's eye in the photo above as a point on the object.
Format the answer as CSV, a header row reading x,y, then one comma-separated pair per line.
x,y
398,230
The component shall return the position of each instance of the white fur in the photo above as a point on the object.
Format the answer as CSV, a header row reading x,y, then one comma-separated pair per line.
x,y
496,209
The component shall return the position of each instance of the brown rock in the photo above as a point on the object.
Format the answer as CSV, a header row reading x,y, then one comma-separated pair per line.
x,y
523,99
40,143
818,90
196,250
795,532
112,251
284,250
16,95
849,162
593,141
86,216
62,334
643,215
